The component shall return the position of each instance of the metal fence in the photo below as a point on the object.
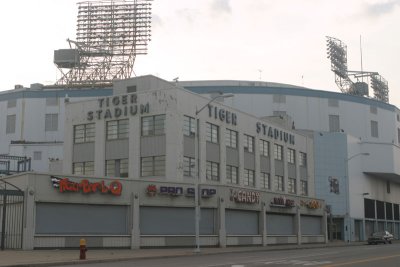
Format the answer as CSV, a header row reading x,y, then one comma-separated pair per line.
x,y
11,216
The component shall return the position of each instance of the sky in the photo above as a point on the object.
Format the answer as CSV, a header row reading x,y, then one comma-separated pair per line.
x,y
280,41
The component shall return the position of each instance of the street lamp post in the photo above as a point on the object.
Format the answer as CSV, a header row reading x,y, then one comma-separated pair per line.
x,y
347,221
197,169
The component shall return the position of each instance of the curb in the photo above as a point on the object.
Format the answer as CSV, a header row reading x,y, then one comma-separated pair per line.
x,y
186,253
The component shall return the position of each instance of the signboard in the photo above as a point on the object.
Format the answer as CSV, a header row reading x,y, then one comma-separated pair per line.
x,y
86,187
311,204
153,190
244,196
282,202
117,106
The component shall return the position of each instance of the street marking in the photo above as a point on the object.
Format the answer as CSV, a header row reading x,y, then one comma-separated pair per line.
x,y
361,261
297,262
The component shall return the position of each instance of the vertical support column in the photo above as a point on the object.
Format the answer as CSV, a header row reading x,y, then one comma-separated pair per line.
x,y
100,151
135,232
325,226
29,219
264,224
298,226
134,147
222,229
376,218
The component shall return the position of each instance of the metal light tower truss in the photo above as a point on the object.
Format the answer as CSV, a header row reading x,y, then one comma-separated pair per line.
x,y
337,53
380,87
109,36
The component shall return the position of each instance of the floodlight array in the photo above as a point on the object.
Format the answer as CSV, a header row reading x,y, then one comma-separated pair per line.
x,y
109,36
380,87
337,53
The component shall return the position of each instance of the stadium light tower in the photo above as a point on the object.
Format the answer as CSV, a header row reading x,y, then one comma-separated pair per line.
x,y
380,87
110,34
337,53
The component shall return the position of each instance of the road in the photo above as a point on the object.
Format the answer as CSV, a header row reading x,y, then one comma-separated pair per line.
x,y
354,256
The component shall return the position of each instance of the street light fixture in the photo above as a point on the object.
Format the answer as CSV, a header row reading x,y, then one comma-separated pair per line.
x,y
197,163
347,222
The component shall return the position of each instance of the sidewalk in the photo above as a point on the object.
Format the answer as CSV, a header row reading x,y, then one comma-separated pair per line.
x,y
56,257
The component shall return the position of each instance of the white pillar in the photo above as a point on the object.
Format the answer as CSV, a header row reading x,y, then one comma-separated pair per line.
x,y
135,232
264,224
29,226
222,229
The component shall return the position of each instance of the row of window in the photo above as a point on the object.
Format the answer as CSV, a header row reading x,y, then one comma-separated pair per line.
x,y
232,174
155,166
119,129
155,125
50,123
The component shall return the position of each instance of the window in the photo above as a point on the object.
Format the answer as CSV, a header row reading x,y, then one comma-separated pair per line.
x,y
12,103
117,129
86,168
248,178
333,102
212,171
153,166
231,174
291,156
84,133
279,113
189,166
37,155
248,143
264,148
373,110
278,151
265,183
117,167
212,133
131,89
51,122
153,125
303,188
51,101
303,159
189,126
388,187
279,98
279,183
10,127
398,135
292,185
334,123
231,138
374,129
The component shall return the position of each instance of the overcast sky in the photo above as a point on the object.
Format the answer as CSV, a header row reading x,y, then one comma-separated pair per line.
x,y
272,40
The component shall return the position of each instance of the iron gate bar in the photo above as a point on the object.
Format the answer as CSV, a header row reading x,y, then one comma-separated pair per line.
x,y
3,223
12,215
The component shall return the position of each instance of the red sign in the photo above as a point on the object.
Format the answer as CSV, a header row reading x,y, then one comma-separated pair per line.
x,y
65,185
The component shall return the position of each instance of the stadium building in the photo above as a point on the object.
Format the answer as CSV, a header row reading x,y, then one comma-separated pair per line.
x,y
129,176
356,148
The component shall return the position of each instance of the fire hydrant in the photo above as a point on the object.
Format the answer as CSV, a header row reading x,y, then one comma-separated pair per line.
x,y
82,249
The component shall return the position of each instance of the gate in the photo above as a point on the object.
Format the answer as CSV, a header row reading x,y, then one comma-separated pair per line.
x,y
11,216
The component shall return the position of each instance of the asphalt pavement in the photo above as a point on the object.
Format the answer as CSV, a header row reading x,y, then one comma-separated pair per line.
x,y
56,257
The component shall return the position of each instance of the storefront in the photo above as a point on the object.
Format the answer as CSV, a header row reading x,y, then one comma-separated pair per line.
x,y
110,213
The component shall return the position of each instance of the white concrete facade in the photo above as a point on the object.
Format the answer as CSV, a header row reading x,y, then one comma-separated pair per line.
x,y
354,137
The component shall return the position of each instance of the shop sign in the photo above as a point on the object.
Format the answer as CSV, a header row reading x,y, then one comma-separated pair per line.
x,y
244,196
274,133
282,202
117,106
152,190
311,204
84,186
